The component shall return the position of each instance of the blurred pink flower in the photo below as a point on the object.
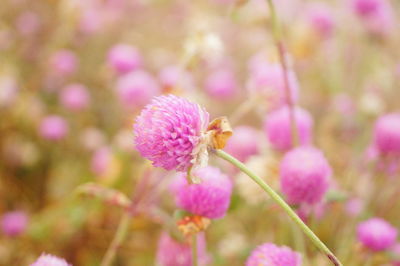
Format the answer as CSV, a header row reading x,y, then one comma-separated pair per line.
x,y
136,89
64,62
75,97
14,223
221,84
210,198
377,15
49,260
376,234
354,206
277,127
387,134
28,23
321,19
271,254
170,252
267,81
53,127
305,175
124,58
101,161
169,132
173,76
243,143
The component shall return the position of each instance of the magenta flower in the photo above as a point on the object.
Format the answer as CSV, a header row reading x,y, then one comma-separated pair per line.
x,y
266,80
175,77
387,134
64,62
210,198
75,97
269,254
124,58
305,175
14,223
170,133
277,126
376,234
243,143
221,84
321,19
170,252
136,89
49,260
53,127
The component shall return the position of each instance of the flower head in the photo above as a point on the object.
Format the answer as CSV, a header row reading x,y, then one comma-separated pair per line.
x,y
14,223
387,134
169,132
124,58
376,234
170,252
244,143
136,89
321,19
267,80
75,97
210,198
49,260
53,127
277,126
64,62
221,84
270,254
305,175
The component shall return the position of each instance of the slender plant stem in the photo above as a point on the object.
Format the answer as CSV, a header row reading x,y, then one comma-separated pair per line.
x,y
194,250
276,32
117,240
309,233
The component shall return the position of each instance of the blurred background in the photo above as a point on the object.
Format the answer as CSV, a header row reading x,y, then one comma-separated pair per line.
x,y
75,74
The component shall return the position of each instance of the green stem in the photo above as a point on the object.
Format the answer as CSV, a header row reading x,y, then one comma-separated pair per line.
x,y
194,250
117,240
309,233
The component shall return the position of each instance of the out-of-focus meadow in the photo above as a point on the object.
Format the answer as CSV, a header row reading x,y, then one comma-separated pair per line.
x,y
74,75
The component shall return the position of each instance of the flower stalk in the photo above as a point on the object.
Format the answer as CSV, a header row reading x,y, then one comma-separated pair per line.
x,y
194,250
117,240
309,233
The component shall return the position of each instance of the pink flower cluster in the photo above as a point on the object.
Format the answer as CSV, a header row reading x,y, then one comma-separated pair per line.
x,y
305,175
49,260
376,234
269,254
169,131
210,198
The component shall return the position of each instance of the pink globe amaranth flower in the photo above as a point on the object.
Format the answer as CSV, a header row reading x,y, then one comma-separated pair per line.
x,y
376,234
53,127
14,223
267,80
170,252
277,127
136,89
124,58
170,132
305,175
75,97
101,161
173,76
269,254
321,19
50,260
354,207
221,84
243,143
28,23
377,15
64,62
210,198
387,134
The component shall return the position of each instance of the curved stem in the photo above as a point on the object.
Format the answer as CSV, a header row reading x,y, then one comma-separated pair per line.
x,y
310,234
194,250
117,240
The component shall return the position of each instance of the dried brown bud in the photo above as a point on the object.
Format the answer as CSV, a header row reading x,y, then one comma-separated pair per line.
x,y
221,131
